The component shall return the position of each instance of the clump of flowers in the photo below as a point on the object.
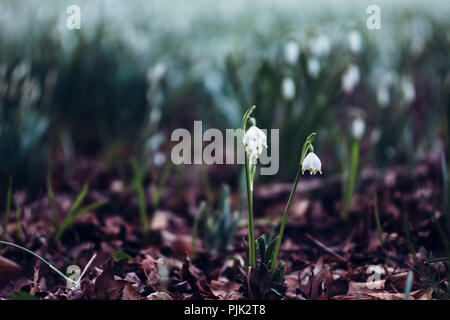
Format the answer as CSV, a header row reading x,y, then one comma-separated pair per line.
x,y
309,161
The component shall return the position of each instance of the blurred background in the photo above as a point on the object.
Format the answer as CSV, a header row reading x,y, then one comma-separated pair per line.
x,y
115,89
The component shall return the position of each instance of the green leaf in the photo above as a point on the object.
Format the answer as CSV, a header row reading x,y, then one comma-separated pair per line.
x,y
78,200
261,246
22,295
408,286
269,250
279,273
119,256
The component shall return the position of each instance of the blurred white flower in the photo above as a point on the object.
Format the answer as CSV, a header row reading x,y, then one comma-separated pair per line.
x,y
312,164
313,66
351,78
157,72
291,52
354,41
288,88
254,140
408,90
159,159
358,128
320,46
383,91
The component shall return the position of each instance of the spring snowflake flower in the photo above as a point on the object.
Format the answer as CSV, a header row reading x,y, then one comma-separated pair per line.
x,y
288,88
254,140
408,90
320,46
313,67
350,78
291,52
354,41
358,128
312,164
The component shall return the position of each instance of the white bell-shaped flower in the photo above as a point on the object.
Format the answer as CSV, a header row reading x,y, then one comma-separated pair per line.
x,y
254,140
312,164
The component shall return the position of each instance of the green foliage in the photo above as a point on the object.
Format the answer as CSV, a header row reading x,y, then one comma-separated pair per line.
x,y
74,212
217,226
265,248
22,295
119,256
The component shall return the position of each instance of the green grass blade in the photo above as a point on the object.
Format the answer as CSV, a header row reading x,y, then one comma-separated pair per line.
x,y
70,219
51,197
78,200
38,257
8,209
408,286
377,220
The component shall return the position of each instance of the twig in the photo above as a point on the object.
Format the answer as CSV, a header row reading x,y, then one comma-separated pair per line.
x,y
327,249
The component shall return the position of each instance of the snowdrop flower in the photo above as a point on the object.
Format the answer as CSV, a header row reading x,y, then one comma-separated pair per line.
x,y
288,88
354,41
350,78
312,164
383,91
313,67
408,90
358,128
320,46
157,72
291,52
254,140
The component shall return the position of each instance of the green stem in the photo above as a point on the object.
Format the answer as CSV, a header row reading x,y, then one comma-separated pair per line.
x,y
351,178
40,258
251,231
307,146
251,236
283,222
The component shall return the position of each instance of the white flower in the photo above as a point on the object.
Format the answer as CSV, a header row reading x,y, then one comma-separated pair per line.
x,y
288,88
312,164
320,46
313,67
383,91
350,79
358,128
354,41
254,140
291,52
408,90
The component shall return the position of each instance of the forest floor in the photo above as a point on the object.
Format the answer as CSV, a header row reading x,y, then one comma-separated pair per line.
x,y
326,257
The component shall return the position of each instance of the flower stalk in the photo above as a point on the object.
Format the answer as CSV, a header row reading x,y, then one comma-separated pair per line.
x,y
307,147
250,168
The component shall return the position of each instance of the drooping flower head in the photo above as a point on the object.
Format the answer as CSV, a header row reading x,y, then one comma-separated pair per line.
x,y
254,140
312,164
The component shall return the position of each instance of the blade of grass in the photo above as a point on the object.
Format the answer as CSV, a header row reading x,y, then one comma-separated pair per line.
x,y
354,158
198,216
78,200
18,220
377,220
40,258
408,286
70,219
8,209
51,197
140,192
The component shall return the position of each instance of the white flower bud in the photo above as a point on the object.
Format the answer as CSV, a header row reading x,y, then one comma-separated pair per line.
x,y
312,164
320,46
288,88
254,140
313,67
350,78
291,52
354,41
358,128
